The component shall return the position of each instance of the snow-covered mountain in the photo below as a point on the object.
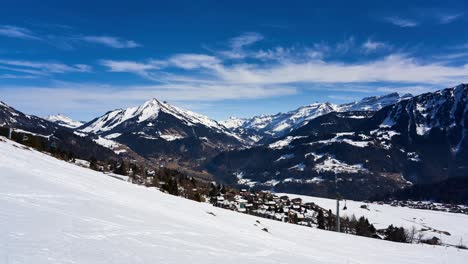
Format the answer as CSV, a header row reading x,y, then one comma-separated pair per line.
x,y
64,121
55,212
159,130
47,132
10,117
374,103
273,126
148,113
417,140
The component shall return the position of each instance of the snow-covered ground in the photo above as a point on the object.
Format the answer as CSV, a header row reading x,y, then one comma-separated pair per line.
x,y
383,215
56,212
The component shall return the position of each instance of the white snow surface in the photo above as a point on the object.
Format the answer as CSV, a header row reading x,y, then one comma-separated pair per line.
x,y
334,165
64,120
383,215
56,212
283,142
339,137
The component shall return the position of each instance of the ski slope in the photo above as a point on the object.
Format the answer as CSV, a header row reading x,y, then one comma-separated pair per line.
x,y
384,215
56,212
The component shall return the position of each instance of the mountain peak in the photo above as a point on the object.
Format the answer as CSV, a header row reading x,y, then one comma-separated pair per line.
x,y
64,120
3,104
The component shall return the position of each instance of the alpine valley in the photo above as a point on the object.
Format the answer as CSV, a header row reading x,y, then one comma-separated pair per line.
x,y
377,146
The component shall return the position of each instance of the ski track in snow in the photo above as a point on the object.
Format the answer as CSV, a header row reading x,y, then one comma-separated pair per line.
x,y
55,212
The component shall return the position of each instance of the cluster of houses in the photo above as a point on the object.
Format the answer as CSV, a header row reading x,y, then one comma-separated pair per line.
x,y
427,205
268,205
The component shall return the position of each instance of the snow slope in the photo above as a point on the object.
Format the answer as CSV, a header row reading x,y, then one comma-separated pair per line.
x,y
56,212
384,215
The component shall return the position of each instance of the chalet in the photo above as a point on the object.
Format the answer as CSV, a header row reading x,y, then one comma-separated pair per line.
x,y
296,201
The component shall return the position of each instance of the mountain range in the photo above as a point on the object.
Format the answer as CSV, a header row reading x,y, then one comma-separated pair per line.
x,y
419,140
48,134
263,128
360,149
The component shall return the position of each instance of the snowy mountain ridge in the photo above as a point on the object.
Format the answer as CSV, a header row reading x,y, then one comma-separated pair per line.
x,y
64,120
374,103
148,111
280,124
420,140
160,130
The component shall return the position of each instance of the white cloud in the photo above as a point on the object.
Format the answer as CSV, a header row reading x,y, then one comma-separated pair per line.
x,y
346,45
112,42
448,18
402,22
128,66
393,68
372,46
193,61
87,99
15,76
40,68
237,45
452,56
396,68
245,39
17,32
148,68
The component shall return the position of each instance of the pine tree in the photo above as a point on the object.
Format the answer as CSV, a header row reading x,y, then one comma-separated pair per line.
x,y
93,164
321,220
330,221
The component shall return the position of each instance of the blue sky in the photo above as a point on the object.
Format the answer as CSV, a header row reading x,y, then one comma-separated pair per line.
x,y
224,58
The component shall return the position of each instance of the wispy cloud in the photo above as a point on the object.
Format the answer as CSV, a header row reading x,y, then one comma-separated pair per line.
x,y
452,56
193,61
67,40
144,69
16,76
394,68
77,98
128,66
237,45
17,32
448,18
371,46
41,68
402,22
346,45
112,42
245,39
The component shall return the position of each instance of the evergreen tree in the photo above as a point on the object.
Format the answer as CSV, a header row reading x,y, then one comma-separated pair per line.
x,y
123,168
330,221
321,220
93,164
